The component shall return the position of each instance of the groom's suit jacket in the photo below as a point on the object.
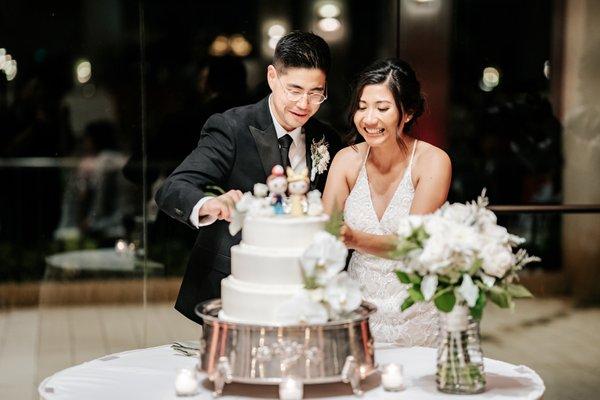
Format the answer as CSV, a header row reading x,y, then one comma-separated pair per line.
x,y
236,149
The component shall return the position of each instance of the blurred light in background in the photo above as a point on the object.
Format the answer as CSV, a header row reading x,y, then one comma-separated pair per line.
x,y
328,20
83,71
235,44
272,31
489,79
239,45
422,8
329,10
276,31
330,24
547,69
219,46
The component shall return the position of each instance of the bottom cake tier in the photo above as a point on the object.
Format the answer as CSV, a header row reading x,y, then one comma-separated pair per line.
x,y
253,302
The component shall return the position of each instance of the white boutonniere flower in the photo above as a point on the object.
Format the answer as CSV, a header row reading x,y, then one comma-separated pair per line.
x,y
320,157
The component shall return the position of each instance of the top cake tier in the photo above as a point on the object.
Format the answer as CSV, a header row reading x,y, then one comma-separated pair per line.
x,y
282,231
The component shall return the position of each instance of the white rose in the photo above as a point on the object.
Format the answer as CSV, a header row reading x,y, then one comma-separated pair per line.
x,y
497,259
407,224
435,255
486,217
464,239
457,212
499,234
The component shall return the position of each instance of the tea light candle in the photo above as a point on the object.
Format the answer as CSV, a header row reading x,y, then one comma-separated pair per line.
x,y
291,389
392,377
186,383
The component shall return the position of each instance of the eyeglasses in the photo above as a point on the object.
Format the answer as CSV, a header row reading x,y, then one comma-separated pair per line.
x,y
296,95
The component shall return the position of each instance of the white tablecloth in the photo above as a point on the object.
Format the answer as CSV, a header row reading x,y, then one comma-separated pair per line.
x,y
150,374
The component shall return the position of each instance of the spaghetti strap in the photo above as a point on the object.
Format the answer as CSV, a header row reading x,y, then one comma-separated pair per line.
x,y
412,156
366,156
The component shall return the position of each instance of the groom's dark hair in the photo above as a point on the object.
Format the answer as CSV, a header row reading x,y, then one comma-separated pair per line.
x,y
302,50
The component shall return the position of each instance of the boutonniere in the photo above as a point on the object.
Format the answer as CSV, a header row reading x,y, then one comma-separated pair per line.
x,y
320,157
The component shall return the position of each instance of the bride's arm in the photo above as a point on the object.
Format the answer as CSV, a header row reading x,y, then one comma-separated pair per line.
x,y
336,188
378,245
434,172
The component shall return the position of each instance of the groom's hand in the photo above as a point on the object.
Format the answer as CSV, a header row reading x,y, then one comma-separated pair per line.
x,y
222,206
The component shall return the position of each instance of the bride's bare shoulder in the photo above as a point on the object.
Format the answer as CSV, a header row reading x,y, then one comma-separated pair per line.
x,y
428,155
351,155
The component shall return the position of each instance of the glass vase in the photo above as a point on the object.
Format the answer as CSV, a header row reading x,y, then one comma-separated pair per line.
x,y
459,360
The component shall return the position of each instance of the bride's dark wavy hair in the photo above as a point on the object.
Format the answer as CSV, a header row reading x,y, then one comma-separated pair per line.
x,y
402,82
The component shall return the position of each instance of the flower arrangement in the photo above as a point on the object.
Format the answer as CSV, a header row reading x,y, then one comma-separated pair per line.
x,y
459,254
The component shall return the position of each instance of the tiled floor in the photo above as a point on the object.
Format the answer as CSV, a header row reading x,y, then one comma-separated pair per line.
x,y
548,335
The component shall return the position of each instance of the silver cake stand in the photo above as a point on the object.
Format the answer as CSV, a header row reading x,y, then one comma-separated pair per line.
x,y
255,354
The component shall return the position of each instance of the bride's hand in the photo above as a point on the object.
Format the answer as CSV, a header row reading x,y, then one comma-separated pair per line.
x,y
348,236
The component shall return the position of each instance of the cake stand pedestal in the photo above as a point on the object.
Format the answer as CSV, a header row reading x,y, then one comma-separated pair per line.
x,y
335,351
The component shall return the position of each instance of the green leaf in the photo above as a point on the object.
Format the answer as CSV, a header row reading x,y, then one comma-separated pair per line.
x,y
414,278
477,309
441,291
518,291
336,220
403,276
500,297
445,302
407,303
403,248
476,266
415,293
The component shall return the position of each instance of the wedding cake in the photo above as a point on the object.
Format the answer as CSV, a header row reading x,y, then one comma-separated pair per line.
x,y
286,269
265,266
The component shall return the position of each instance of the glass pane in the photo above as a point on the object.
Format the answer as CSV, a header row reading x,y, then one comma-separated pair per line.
x,y
69,118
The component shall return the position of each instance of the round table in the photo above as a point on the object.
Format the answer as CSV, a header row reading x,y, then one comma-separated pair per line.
x,y
97,263
150,374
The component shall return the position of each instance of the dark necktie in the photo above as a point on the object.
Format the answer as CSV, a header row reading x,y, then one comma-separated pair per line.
x,y
284,147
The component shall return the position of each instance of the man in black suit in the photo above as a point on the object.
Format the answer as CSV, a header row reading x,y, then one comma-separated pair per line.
x,y
237,149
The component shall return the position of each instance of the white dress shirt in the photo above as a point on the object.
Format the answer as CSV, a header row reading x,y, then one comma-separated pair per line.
x,y
297,156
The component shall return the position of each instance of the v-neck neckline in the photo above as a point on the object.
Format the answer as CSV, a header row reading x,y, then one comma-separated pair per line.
x,y
366,176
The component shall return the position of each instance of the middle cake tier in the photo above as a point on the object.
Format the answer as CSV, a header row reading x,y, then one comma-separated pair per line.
x,y
266,265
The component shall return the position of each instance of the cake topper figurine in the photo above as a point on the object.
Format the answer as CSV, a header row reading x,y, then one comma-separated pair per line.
x,y
298,185
315,205
277,184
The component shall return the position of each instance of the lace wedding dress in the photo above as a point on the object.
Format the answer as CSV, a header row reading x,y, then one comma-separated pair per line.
x,y
418,325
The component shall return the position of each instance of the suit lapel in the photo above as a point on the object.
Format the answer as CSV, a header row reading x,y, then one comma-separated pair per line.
x,y
267,146
265,138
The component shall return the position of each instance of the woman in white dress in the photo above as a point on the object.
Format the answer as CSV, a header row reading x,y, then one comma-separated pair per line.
x,y
376,183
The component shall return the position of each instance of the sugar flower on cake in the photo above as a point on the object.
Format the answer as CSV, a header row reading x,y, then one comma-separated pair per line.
x,y
250,204
324,258
301,309
343,294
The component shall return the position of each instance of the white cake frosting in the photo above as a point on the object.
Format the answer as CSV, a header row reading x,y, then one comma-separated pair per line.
x,y
265,266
